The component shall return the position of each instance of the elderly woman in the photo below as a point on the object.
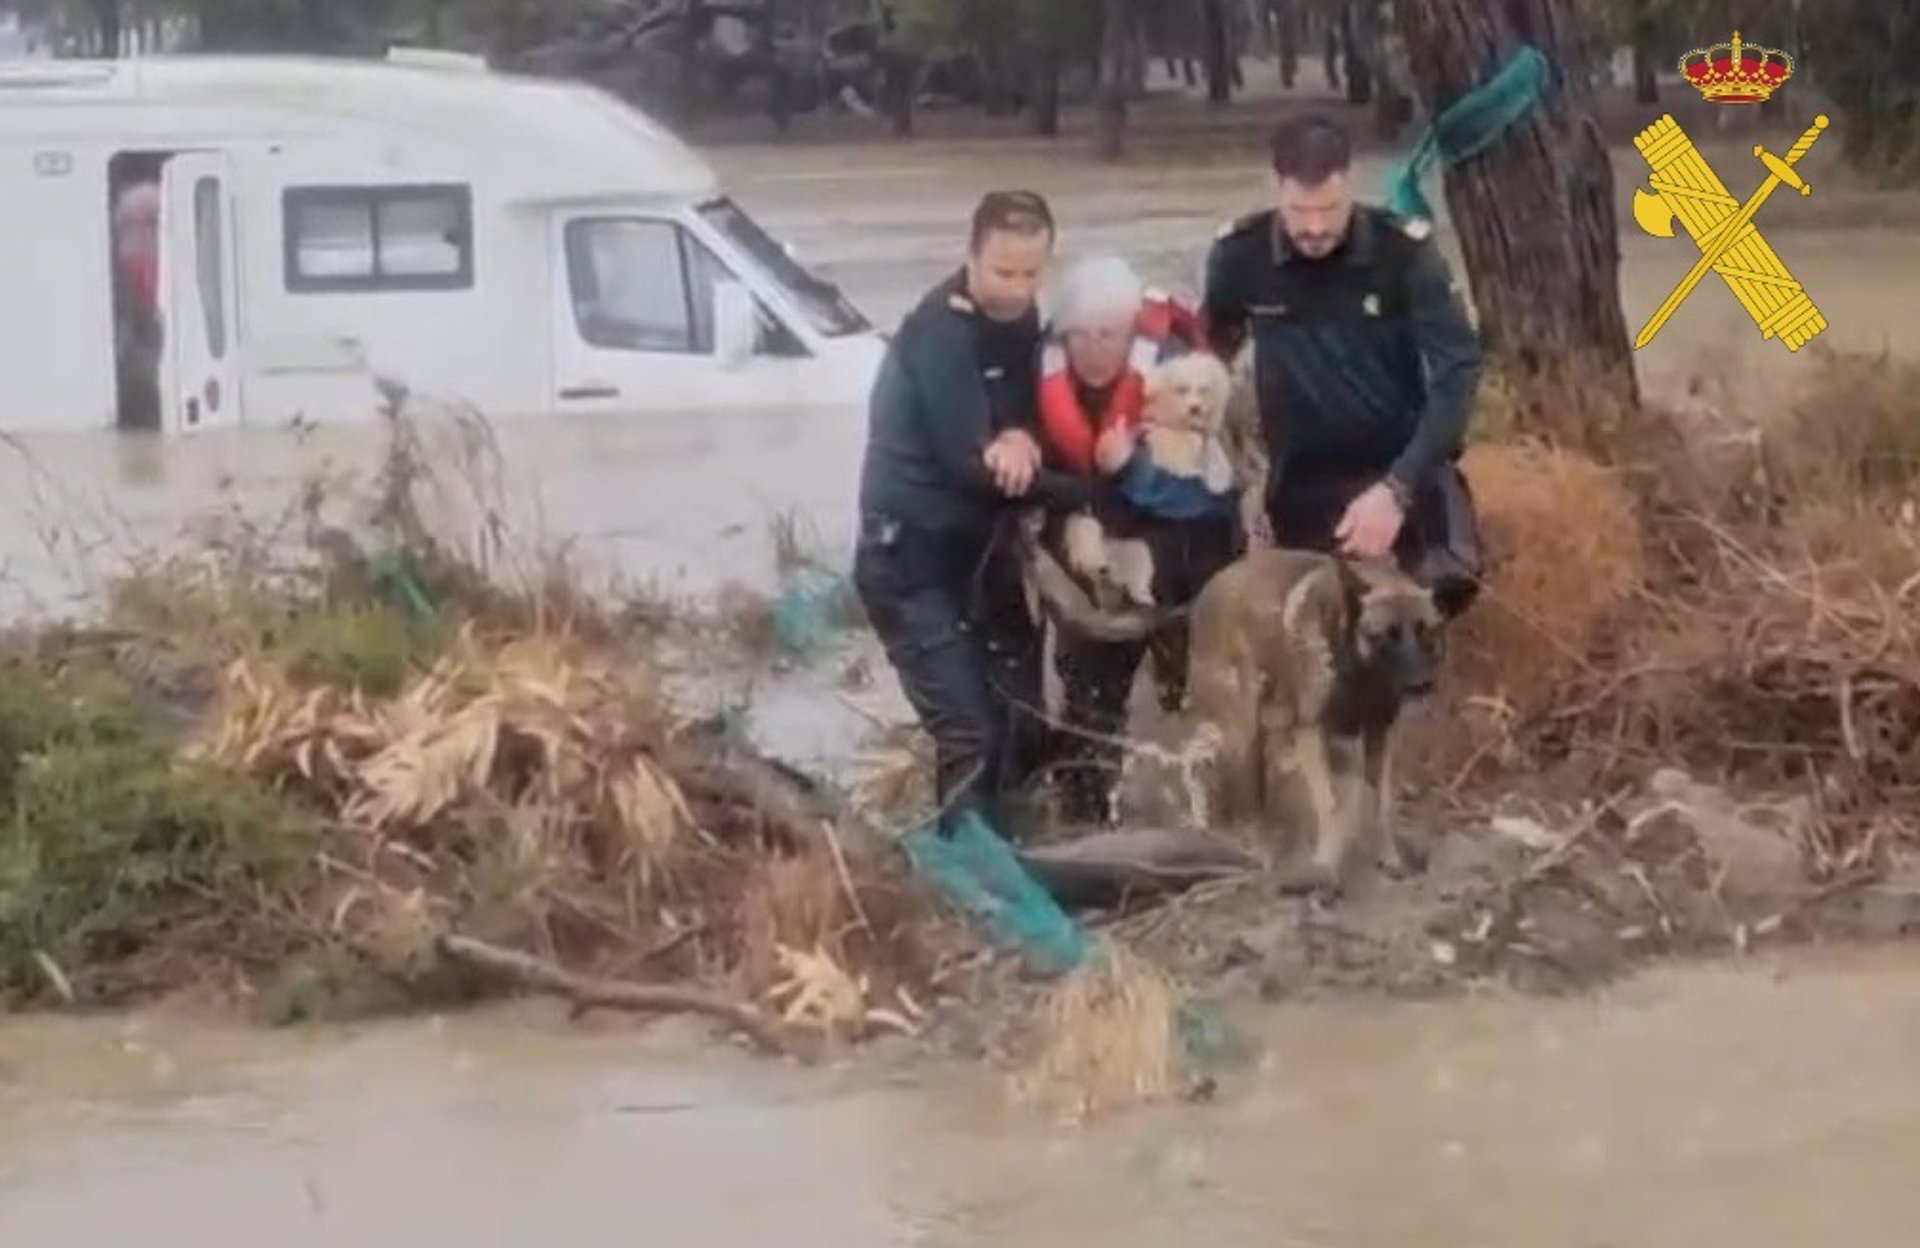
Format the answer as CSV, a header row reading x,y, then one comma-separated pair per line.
x,y
1106,329
137,324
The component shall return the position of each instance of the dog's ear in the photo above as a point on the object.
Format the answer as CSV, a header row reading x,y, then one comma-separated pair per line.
x,y
1343,608
1379,573
1354,586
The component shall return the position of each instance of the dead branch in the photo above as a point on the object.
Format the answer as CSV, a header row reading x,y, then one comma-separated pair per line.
x,y
756,793
587,993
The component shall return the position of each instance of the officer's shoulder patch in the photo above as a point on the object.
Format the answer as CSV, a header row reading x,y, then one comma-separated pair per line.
x,y
1419,229
960,303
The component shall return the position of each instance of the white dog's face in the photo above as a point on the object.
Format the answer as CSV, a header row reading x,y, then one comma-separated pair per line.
x,y
1189,392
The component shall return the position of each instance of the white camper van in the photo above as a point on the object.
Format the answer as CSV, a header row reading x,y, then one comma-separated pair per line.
x,y
533,250
521,244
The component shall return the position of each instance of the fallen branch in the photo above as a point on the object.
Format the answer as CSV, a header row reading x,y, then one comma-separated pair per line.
x,y
587,993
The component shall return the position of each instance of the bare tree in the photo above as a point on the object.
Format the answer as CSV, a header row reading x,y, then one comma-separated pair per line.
x,y
1220,58
107,25
1643,33
1116,66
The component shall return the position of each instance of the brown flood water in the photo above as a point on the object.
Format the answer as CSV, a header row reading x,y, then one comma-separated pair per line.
x,y
1775,1103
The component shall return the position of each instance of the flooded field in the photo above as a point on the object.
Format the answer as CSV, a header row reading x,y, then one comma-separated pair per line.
x,y
1764,1106
76,502
1743,1105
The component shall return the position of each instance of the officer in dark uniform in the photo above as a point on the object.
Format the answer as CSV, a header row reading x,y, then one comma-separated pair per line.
x,y
1365,367
951,456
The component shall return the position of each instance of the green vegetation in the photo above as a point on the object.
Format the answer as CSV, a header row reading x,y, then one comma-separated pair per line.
x,y
106,836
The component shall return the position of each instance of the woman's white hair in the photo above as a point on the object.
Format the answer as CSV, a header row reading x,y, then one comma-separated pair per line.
x,y
139,202
1095,290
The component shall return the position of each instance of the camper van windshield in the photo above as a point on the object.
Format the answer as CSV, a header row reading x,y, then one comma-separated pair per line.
x,y
830,311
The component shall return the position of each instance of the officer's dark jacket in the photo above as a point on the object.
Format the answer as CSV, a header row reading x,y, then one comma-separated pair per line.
x,y
1365,361
951,379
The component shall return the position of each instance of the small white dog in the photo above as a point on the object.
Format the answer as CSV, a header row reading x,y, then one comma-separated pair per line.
x,y
1182,428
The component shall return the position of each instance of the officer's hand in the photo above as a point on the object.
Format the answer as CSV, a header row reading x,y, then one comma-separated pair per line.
x,y
1371,523
1114,449
1259,526
1013,458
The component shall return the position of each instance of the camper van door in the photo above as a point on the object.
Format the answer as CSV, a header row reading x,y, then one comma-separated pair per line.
x,y
645,320
199,384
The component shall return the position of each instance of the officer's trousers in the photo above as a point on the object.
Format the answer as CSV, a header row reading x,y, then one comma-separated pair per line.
x,y
1097,677
1439,544
950,610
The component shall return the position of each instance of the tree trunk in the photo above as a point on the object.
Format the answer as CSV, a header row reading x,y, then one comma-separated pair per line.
x,y
1219,52
1116,69
692,31
1287,19
903,88
1137,62
1359,74
1046,93
106,20
1644,33
1391,106
1535,217
1331,53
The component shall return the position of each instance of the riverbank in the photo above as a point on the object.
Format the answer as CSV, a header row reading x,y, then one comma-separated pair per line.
x,y
365,782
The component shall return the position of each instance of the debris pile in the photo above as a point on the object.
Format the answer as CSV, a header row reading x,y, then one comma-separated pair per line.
x,y
1749,618
539,792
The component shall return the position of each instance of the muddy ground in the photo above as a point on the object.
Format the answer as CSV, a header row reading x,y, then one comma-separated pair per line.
x,y
1532,895
1536,903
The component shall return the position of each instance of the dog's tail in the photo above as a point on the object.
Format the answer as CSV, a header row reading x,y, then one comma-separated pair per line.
x,y
1069,605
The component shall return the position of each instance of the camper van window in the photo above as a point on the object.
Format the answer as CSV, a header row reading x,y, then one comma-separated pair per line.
x,y
208,263
647,285
832,314
367,238
629,284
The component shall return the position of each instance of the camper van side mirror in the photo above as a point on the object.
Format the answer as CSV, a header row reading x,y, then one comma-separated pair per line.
x,y
736,325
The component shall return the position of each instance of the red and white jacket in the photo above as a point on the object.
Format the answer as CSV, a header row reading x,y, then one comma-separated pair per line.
x,y
1167,326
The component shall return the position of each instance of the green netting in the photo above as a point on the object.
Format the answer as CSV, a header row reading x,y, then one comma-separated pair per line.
x,y
979,872
1468,127
397,579
809,609
976,870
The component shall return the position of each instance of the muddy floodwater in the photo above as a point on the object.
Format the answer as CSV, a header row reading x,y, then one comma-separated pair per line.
x,y
1771,1104
72,503
1747,1105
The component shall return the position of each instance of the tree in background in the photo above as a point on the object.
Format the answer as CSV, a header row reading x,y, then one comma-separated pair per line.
x,y
1116,74
1534,212
1217,40
1865,54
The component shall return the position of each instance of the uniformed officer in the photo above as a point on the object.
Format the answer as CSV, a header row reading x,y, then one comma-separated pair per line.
x,y
950,454
1365,366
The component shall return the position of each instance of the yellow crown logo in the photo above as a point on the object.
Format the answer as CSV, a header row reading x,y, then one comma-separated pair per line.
x,y
1735,72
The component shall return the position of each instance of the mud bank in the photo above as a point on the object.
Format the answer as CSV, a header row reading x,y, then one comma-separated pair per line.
x,y
1511,902
1550,903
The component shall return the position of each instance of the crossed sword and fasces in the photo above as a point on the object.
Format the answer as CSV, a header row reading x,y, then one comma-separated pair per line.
x,y
1685,186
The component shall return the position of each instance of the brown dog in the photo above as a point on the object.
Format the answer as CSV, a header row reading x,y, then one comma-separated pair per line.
x,y
1301,663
